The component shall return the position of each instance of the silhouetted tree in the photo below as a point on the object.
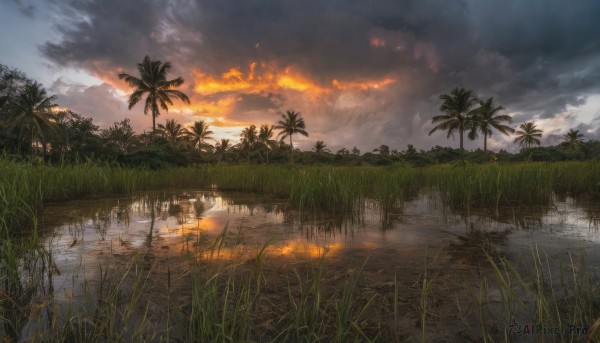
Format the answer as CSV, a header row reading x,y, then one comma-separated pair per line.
x,y
222,148
458,113
528,135
487,118
383,150
343,152
199,134
12,83
76,138
249,140
320,147
172,131
265,140
291,124
32,116
154,84
120,135
572,140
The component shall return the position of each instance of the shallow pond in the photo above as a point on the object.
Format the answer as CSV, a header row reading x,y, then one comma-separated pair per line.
x,y
88,237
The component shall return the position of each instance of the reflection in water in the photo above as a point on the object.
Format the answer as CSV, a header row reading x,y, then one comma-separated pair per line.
x,y
592,213
209,226
166,215
187,222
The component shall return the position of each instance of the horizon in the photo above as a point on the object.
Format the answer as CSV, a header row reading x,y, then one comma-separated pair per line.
x,y
361,75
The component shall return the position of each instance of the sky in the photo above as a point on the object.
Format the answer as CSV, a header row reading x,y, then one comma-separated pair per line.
x,y
361,72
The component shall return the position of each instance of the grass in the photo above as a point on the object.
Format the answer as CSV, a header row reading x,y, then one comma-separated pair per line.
x,y
260,302
552,299
334,190
237,303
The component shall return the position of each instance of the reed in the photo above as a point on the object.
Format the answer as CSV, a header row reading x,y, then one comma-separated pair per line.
x,y
227,304
541,292
337,190
493,184
238,302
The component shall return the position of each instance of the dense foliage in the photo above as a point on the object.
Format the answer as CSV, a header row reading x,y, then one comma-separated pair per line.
x,y
32,128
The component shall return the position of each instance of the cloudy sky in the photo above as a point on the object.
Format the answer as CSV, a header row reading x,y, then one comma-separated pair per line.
x,y
362,72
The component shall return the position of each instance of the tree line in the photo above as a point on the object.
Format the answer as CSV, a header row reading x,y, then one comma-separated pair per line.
x,y
32,126
464,112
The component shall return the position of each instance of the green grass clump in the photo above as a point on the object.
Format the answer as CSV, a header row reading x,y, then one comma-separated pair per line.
x,y
322,189
492,184
558,293
332,190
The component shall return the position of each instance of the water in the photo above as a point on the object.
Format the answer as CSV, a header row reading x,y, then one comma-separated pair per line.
x,y
88,237
172,223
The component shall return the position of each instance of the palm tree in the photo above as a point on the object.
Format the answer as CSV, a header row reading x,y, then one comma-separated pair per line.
x,y
222,148
265,136
320,147
487,118
573,140
153,82
528,135
32,115
291,124
249,138
410,149
121,135
172,131
383,150
199,133
458,109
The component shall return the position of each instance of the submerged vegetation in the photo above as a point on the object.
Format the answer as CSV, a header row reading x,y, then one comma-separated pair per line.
x,y
332,189
191,298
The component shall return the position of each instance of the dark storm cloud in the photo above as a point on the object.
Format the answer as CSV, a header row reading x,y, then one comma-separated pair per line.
x,y
534,57
25,7
552,48
262,102
324,39
103,36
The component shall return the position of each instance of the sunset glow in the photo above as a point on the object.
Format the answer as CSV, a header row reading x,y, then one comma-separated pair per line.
x,y
254,81
347,69
363,85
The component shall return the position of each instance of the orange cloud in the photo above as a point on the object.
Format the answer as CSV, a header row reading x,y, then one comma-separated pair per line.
x,y
201,107
257,79
215,98
363,85
104,72
377,42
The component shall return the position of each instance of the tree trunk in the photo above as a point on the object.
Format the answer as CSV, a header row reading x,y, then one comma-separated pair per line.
x,y
33,151
485,142
291,151
44,150
154,115
153,122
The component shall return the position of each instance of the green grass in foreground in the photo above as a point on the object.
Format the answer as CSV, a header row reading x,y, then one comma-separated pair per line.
x,y
337,190
255,302
225,304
